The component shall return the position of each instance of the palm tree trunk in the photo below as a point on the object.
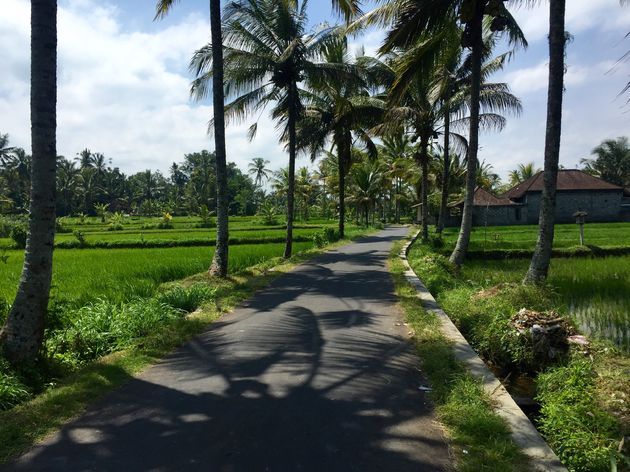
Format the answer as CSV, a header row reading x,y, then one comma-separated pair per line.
x,y
424,165
292,150
219,266
22,334
446,171
541,259
459,253
342,195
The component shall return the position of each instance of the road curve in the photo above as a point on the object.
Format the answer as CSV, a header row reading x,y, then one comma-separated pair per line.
x,y
313,373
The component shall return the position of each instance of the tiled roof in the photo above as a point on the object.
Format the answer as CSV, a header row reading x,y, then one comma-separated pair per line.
x,y
484,198
567,180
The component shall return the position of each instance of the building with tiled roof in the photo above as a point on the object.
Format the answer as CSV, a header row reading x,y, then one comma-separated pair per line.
x,y
576,191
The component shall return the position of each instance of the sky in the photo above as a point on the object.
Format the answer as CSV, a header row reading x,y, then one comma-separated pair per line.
x,y
123,84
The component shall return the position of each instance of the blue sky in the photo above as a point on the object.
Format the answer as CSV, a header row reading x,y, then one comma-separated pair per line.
x,y
123,83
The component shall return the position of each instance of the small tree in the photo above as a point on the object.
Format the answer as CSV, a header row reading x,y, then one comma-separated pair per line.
x,y
101,210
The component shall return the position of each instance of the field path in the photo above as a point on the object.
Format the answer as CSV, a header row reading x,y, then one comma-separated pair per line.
x,y
313,373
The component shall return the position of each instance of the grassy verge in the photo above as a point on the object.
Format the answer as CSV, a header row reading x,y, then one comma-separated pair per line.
x,y
480,438
582,393
28,422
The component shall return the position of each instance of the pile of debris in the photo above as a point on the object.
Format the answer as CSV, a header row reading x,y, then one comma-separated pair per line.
x,y
550,333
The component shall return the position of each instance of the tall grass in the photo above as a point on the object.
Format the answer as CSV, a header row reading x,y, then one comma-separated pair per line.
x,y
595,291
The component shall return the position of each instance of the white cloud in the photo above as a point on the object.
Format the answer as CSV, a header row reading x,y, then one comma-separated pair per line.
x,y
581,15
120,93
534,79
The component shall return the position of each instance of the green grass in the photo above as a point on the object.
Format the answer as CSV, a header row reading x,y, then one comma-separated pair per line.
x,y
594,291
480,439
584,405
524,237
80,276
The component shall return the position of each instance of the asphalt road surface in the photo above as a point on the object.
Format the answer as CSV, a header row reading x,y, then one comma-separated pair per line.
x,y
313,373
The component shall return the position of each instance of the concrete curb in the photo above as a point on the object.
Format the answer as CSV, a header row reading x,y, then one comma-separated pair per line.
x,y
525,435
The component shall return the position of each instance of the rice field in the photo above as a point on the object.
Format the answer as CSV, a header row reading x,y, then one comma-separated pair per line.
x,y
524,237
594,291
83,275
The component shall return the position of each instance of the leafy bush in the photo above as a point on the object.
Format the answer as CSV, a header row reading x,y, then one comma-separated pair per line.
x,y
19,234
187,299
325,237
572,422
5,227
117,222
103,327
268,214
5,306
166,222
60,226
80,237
12,390
206,219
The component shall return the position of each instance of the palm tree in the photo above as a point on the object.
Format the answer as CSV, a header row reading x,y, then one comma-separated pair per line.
x,y
22,334
433,21
219,265
539,266
397,153
523,172
258,168
267,54
84,158
365,185
339,108
612,162
5,149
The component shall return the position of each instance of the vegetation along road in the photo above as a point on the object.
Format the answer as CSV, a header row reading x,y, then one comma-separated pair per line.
x,y
312,373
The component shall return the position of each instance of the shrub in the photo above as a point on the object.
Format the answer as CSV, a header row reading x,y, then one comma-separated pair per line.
x,y
268,214
326,236
187,299
206,219
5,227
5,306
60,226
572,421
166,222
19,234
12,389
117,222
80,237
103,327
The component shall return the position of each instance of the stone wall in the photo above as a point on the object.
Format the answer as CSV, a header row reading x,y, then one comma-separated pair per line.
x,y
600,205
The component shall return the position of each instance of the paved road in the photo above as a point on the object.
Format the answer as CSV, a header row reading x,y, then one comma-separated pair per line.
x,y
312,374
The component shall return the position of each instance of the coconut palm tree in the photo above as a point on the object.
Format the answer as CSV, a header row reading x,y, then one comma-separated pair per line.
x,y
396,152
340,108
219,265
267,54
422,27
5,149
539,266
523,172
612,162
22,334
366,180
258,169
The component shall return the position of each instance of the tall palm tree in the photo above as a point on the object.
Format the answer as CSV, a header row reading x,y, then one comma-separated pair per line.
x,y
365,185
339,108
396,152
258,168
22,334
539,266
267,54
413,20
219,265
